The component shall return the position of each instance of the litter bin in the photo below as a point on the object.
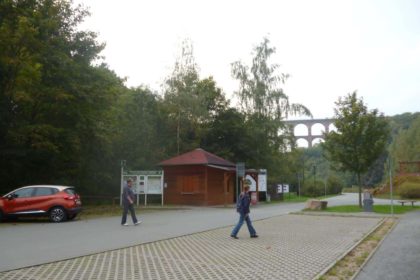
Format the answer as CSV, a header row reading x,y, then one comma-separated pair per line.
x,y
254,198
367,202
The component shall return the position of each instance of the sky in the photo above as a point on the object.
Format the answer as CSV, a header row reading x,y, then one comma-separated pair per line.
x,y
329,48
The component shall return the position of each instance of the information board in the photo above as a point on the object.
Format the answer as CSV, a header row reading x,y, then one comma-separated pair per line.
x,y
262,181
144,182
154,185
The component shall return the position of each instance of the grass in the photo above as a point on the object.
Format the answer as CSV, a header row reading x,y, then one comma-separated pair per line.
x,y
387,196
293,197
380,209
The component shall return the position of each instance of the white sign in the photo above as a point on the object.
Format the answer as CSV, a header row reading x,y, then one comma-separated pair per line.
x,y
262,182
253,187
282,188
154,185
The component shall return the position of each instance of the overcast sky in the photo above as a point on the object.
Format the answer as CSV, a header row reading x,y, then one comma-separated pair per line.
x,y
329,48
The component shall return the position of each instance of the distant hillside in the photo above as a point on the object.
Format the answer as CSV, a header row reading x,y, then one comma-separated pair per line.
x,y
405,143
402,121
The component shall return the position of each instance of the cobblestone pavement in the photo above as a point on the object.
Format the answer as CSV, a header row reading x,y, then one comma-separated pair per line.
x,y
289,247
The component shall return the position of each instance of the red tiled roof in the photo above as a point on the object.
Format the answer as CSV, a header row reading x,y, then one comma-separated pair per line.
x,y
197,157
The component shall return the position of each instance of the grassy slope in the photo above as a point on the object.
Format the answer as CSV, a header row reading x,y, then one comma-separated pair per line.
x,y
381,209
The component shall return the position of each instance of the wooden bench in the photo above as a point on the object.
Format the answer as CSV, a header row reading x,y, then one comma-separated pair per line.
x,y
407,201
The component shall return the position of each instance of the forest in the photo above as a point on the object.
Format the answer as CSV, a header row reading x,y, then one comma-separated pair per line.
x,y
67,118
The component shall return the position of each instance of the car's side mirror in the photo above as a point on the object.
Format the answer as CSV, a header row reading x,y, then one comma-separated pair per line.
x,y
11,196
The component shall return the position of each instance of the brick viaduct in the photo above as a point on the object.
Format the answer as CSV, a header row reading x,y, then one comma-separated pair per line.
x,y
309,123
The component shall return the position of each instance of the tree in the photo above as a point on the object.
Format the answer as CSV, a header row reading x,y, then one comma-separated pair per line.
x,y
139,134
190,102
265,105
360,138
260,89
226,135
54,104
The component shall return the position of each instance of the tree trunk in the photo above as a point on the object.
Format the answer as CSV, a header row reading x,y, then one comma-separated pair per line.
x,y
177,132
360,190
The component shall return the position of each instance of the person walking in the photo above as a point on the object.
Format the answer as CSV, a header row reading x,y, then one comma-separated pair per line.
x,y
243,209
128,204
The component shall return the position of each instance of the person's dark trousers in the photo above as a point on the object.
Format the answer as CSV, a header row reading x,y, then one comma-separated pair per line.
x,y
128,207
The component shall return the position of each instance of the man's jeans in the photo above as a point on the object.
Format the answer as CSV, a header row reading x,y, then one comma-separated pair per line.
x,y
128,207
243,218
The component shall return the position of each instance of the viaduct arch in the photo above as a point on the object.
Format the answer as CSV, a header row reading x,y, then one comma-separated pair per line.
x,y
309,123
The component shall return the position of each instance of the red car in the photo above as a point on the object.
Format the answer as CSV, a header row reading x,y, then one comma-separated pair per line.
x,y
59,203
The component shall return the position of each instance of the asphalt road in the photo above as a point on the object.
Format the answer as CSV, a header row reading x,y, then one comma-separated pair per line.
x,y
27,244
353,198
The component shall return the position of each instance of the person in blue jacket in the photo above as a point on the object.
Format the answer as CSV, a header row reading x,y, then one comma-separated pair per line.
x,y
242,207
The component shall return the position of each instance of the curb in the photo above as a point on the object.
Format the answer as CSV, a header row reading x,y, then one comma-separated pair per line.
x,y
354,215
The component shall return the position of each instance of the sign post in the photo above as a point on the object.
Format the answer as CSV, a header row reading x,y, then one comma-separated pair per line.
x,y
240,172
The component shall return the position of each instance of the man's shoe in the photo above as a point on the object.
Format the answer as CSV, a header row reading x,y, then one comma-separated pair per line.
x,y
254,236
124,224
234,237
137,223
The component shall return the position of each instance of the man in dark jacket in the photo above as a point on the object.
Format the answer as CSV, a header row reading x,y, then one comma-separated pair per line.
x,y
128,204
243,209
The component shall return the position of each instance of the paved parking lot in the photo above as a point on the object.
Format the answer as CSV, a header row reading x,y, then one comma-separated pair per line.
x,y
289,247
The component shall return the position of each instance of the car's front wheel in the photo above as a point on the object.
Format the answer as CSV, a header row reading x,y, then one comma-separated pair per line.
x,y
57,215
1,216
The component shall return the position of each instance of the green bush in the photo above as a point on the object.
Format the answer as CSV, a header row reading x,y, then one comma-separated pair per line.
x,y
334,185
353,189
410,190
311,190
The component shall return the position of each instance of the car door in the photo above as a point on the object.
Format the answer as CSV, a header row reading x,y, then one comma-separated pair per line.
x,y
19,200
39,202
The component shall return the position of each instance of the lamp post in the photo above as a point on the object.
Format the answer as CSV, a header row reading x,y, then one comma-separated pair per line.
x,y
298,177
314,170
390,186
326,179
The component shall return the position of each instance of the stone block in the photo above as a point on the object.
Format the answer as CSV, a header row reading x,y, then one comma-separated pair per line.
x,y
315,204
